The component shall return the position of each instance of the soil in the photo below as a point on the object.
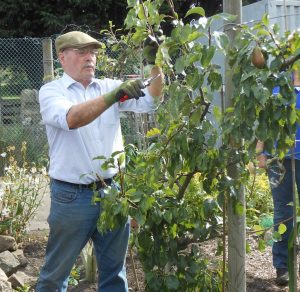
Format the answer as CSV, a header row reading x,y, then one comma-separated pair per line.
x,y
260,273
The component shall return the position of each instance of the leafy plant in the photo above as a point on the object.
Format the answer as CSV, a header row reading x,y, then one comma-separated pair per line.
x,y
74,276
25,288
177,189
12,81
22,189
258,198
34,136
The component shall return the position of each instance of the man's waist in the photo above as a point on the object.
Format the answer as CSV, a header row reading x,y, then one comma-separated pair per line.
x,y
96,185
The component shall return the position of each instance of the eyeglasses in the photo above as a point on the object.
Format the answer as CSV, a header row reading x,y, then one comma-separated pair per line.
x,y
83,51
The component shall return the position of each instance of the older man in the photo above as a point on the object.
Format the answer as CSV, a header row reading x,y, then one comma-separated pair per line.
x,y
81,114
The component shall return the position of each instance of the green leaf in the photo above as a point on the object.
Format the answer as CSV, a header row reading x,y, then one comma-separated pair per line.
x,y
239,208
196,10
173,230
276,236
121,158
293,116
99,157
146,203
221,39
168,216
141,13
265,19
217,113
153,132
116,153
172,282
258,229
131,3
180,65
208,53
215,80
139,217
261,245
194,35
220,248
248,247
225,16
281,228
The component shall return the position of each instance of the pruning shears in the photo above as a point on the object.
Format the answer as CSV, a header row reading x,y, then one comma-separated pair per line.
x,y
146,83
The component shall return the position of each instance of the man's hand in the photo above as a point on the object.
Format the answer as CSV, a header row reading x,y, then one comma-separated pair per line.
x,y
129,88
261,160
150,49
151,45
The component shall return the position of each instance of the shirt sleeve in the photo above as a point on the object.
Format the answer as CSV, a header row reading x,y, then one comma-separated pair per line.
x,y
54,105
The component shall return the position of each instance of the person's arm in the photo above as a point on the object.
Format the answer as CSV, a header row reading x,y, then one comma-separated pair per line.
x,y
82,114
156,86
260,155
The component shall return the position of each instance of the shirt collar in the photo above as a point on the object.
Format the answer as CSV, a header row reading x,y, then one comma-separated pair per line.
x,y
68,80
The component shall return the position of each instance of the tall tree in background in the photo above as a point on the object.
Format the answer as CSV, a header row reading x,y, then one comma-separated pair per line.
x,y
19,18
36,18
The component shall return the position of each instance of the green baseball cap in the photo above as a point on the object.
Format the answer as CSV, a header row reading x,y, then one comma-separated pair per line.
x,y
75,39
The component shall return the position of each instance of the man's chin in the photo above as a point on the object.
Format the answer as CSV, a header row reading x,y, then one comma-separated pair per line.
x,y
89,76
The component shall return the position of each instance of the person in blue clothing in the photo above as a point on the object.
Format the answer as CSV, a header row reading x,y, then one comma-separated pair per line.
x,y
280,179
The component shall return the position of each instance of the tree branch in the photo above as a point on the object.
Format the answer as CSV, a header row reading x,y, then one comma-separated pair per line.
x,y
289,62
185,185
170,2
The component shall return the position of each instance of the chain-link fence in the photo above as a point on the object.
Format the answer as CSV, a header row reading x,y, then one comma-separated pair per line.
x,y
21,76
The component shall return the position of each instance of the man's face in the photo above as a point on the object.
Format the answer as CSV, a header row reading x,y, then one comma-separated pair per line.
x,y
79,63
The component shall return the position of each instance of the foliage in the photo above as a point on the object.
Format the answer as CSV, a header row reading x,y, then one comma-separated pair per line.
x,y
195,143
269,117
258,198
74,276
22,188
12,81
259,209
29,18
171,229
25,288
118,55
16,134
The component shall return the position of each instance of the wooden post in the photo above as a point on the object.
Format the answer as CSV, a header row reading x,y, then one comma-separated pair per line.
x,y
236,222
48,60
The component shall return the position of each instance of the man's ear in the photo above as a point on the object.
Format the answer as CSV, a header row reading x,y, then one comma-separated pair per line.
x,y
61,57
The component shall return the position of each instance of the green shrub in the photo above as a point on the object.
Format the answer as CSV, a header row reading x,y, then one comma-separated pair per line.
x,y
16,134
22,188
258,198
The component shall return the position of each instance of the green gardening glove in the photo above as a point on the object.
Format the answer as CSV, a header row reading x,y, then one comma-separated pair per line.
x,y
127,90
150,49
151,45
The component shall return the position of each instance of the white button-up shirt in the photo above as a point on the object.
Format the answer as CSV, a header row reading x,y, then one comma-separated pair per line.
x,y
72,151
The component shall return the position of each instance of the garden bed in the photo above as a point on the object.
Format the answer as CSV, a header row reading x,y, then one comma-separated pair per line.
x,y
259,269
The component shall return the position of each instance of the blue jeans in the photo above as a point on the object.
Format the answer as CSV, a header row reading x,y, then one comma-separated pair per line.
x,y
282,193
73,221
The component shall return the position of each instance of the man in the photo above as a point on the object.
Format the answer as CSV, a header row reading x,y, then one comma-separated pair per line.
x,y
81,114
282,193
